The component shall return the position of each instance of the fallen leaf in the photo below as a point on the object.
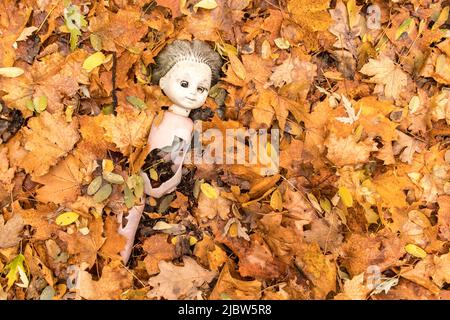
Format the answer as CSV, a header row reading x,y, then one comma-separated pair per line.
x,y
179,282
385,72
10,231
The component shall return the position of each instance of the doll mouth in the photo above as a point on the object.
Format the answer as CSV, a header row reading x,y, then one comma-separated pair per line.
x,y
191,99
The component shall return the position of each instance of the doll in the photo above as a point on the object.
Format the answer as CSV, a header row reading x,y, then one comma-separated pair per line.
x,y
185,71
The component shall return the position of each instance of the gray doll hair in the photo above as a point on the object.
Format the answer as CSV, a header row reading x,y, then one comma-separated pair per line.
x,y
184,50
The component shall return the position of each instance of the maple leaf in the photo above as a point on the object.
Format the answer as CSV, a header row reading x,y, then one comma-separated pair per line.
x,y
84,248
62,183
10,231
115,279
317,268
385,72
124,28
354,289
114,242
180,282
157,249
346,151
208,208
173,5
346,26
47,138
130,128
406,146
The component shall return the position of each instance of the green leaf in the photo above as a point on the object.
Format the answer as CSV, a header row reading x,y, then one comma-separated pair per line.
x,y
113,178
40,104
403,28
103,193
94,185
139,187
136,102
128,197
74,21
16,268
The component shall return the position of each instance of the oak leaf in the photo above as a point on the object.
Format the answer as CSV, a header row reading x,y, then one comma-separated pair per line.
x,y
180,282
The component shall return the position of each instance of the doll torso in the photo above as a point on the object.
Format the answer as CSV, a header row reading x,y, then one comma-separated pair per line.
x,y
171,126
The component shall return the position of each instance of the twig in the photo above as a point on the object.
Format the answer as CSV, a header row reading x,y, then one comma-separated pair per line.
x,y
114,95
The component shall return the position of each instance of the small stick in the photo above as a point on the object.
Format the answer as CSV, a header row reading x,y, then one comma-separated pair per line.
x,y
114,96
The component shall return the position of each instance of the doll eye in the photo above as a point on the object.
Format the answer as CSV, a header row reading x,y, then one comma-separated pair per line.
x,y
201,89
184,84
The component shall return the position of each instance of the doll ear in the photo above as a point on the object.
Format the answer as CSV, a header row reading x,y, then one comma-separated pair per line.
x,y
163,82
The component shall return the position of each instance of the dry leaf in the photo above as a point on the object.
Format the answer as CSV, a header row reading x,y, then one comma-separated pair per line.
x,y
179,282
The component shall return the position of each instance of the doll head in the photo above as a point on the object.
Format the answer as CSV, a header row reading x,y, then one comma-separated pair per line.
x,y
185,71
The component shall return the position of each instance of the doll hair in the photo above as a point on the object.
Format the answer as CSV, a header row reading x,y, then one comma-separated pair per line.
x,y
179,50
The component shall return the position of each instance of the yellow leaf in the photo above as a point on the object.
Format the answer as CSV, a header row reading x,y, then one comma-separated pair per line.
x,y
206,4
93,61
282,43
233,231
346,196
443,16
153,174
314,202
192,240
276,202
415,251
67,218
107,165
209,190
11,72
325,204
237,66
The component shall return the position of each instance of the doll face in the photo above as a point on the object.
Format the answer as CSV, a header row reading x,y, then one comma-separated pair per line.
x,y
187,84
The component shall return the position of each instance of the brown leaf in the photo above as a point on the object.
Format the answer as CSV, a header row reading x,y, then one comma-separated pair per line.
x,y
179,282
10,231
157,249
231,288
114,281
84,248
114,242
